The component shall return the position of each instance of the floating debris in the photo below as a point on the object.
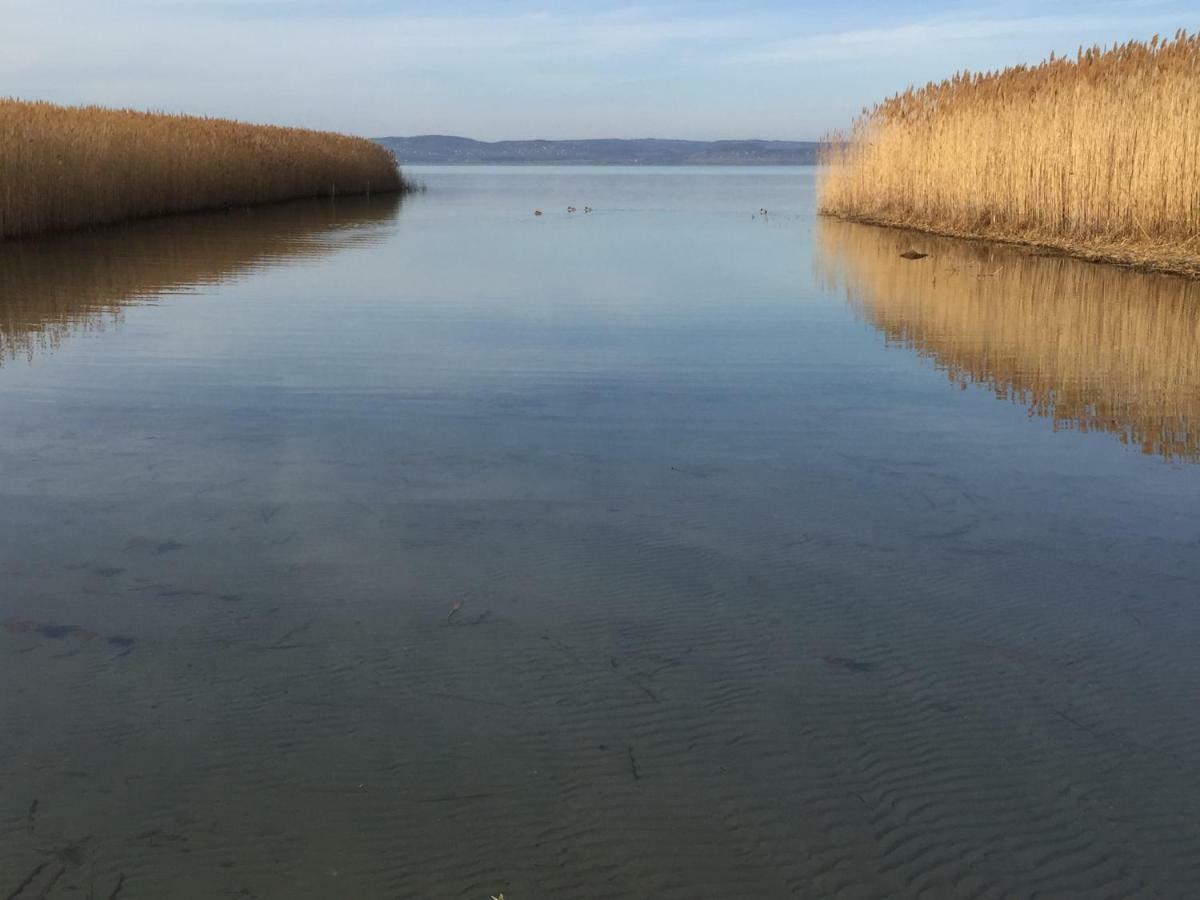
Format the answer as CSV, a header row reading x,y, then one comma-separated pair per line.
x,y
537,212
913,254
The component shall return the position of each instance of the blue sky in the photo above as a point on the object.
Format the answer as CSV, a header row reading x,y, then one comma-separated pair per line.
x,y
496,69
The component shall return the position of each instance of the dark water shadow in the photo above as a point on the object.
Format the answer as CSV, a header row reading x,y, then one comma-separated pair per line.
x,y
51,287
1089,347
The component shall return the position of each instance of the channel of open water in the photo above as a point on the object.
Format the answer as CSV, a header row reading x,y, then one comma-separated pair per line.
x,y
672,550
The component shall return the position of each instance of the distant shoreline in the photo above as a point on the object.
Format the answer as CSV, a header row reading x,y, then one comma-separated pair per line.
x,y
451,150
406,163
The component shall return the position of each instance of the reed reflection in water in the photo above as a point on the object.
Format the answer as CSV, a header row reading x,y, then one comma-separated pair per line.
x,y
52,287
1090,347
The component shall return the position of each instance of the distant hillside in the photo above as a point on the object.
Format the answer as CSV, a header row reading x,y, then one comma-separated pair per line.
x,y
436,149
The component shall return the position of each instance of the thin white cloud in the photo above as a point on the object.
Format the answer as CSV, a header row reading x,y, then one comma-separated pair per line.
x,y
498,71
194,27
927,36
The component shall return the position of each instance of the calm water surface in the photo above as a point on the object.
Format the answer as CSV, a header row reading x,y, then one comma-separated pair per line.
x,y
438,550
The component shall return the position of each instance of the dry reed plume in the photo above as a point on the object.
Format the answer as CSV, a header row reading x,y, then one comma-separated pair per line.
x,y
1097,155
68,167
1093,348
59,285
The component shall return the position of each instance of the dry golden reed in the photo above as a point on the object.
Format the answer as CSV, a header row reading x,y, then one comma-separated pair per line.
x,y
69,167
79,282
1092,348
1097,155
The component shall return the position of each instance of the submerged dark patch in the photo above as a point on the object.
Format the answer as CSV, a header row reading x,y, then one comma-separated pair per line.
x,y
46,630
851,665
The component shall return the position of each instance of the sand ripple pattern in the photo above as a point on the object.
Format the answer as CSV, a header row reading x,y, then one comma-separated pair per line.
x,y
656,720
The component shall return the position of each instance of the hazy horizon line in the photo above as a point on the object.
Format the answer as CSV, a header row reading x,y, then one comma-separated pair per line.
x,y
436,134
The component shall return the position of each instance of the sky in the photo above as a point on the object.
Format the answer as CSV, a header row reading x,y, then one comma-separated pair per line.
x,y
512,69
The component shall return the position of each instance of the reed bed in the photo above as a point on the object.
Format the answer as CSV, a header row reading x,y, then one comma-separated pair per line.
x,y
1098,156
1090,348
82,282
69,167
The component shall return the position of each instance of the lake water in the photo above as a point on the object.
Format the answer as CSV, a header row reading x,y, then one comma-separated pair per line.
x,y
671,550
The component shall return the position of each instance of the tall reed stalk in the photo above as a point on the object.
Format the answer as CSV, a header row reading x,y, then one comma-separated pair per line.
x,y
69,167
1097,155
